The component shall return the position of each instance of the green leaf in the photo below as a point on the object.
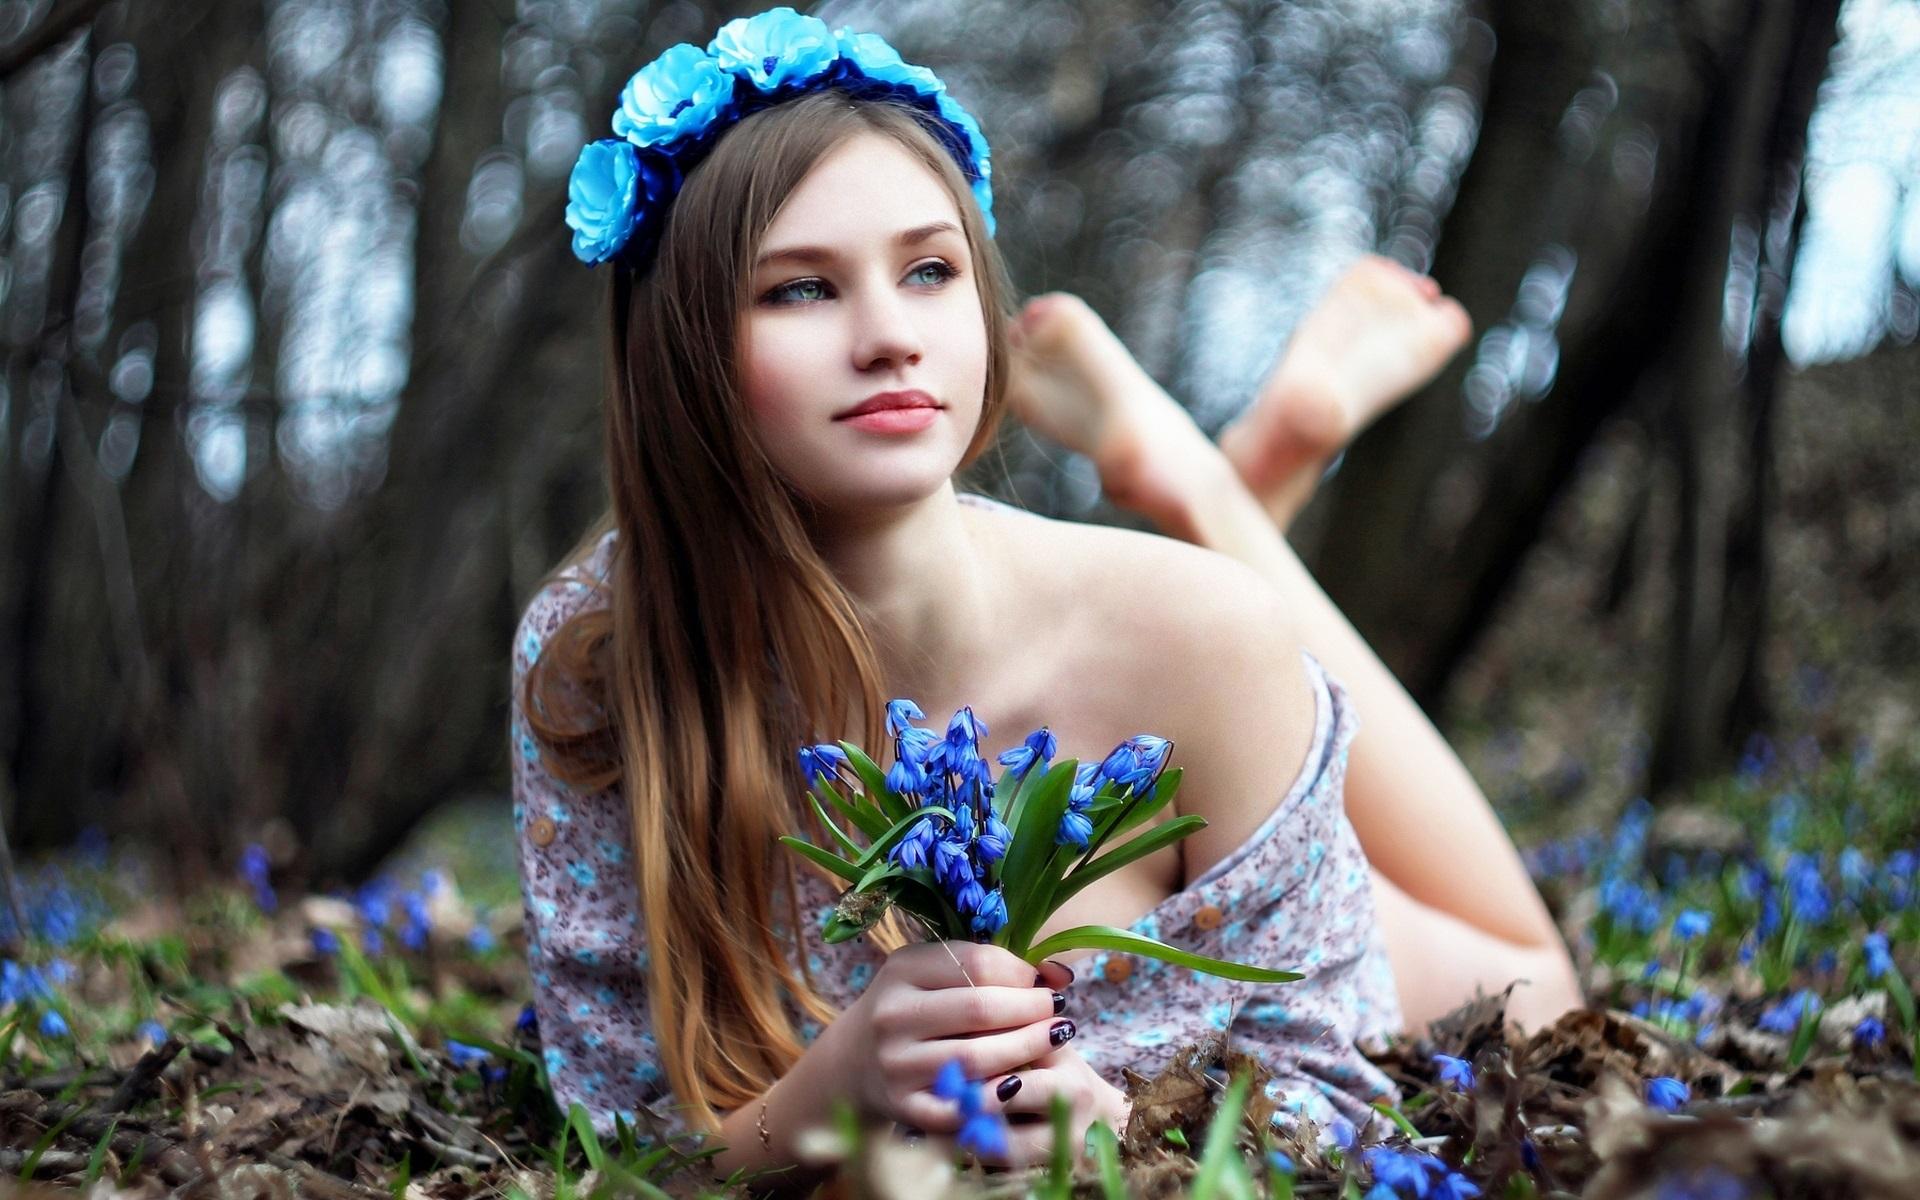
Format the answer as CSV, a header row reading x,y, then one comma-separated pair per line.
x,y
847,845
1223,1138
1024,873
1134,815
826,858
1803,1038
1106,1157
890,806
1107,937
1120,856
1902,998
1012,807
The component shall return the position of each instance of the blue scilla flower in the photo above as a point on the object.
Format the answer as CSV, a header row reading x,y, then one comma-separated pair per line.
x,y
906,778
463,1056
1666,1093
527,1022
917,745
990,843
53,1025
1455,1186
911,851
1709,1182
1038,749
1456,1071
1870,1033
1691,924
1856,873
951,1083
1806,889
775,49
821,762
969,896
1412,1174
18,983
480,939
1119,765
899,713
325,942
1076,828
952,865
1879,954
150,1031
991,914
1277,1161
1785,1017
673,98
984,1134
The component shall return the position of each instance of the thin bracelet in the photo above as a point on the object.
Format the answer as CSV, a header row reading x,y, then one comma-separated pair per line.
x,y
766,1139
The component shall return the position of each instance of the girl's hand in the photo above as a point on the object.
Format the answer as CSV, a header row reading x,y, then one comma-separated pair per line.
x,y
1060,1072
936,1001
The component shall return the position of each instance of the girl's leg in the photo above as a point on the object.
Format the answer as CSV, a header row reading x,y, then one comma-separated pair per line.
x,y
1460,911
1378,333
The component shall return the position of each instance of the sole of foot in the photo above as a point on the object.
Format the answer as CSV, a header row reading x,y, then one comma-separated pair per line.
x,y
1380,333
1075,383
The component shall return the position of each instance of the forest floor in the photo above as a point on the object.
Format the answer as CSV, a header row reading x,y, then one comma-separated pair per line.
x,y
1746,947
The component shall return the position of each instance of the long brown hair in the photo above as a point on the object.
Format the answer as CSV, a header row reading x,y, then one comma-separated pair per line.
x,y
727,642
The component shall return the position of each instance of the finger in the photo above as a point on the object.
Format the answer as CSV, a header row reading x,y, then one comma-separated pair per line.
x,y
992,1055
948,964
1055,974
956,1012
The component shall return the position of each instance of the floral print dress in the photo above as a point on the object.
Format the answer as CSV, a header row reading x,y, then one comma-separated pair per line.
x,y
1296,895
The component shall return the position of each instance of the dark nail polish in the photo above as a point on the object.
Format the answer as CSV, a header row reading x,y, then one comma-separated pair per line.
x,y
1061,1031
1038,980
1007,1088
912,1134
1059,1003
1064,967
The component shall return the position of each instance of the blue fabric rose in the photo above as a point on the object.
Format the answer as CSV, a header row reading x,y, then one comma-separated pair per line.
x,y
775,48
615,193
871,56
676,96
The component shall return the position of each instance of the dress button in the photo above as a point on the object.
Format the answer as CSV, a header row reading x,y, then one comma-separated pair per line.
x,y
1118,968
543,832
1207,916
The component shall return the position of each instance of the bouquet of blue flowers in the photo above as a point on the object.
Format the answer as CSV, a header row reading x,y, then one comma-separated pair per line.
x,y
985,859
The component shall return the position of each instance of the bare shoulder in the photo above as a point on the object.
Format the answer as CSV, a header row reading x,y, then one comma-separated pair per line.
x,y
1160,596
1191,645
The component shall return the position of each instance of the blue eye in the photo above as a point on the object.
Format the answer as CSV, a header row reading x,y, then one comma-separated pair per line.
x,y
787,289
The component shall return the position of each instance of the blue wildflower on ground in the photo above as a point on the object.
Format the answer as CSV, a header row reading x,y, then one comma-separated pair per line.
x,y
1691,924
326,943
1784,1018
1870,1033
1456,1071
53,1025
257,870
1667,1093
463,1056
151,1031
1878,953
982,1133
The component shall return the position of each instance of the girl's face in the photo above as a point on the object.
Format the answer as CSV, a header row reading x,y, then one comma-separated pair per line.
x,y
863,286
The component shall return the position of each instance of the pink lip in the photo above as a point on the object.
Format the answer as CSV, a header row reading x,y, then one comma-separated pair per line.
x,y
895,420
884,401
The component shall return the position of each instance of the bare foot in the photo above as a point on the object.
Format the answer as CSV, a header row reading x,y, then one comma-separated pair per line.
x,y
1075,383
1378,334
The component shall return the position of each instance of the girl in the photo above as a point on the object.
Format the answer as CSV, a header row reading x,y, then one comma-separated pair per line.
x,y
778,561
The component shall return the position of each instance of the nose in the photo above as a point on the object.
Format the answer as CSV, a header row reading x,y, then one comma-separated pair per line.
x,y
886,333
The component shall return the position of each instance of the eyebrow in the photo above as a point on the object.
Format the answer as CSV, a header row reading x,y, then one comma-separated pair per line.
x,y
820,254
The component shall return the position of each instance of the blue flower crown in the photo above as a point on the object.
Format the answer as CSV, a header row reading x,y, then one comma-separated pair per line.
x,y
676,107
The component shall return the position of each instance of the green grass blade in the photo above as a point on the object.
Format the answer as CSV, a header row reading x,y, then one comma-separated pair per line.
x,y
1223,1139
1107,937
589,1140
1106,1157
1060,1168
98,1158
